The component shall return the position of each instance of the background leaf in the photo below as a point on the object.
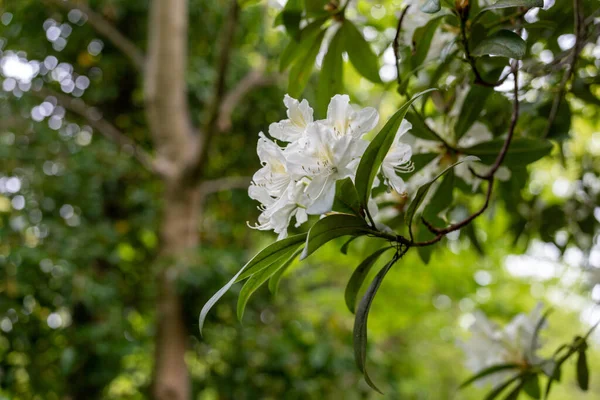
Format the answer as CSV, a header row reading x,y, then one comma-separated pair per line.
x,y
358,277
503,43
359,51
522,151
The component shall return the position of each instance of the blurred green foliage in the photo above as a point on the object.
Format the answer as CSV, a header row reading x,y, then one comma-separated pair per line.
x,y
77,260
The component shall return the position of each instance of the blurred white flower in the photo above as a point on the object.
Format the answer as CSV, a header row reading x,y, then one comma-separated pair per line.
x,y
300,114
491,345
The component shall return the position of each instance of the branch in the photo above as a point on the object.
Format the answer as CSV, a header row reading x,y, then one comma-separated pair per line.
x,y
396,44
489,177
579,33
106,129
253,79
106,29
227,35
223,184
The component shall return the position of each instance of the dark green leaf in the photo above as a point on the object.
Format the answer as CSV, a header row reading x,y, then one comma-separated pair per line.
x,y
378,148
431,6
422,40
331,227
422,192
442,198
358,277
360,323
419,127
276,278
514,394
471,109
332,70
291,17
346,198
345,246
561,126
516,3
503,43
359,52
583,373
256,280
263,259
420,161
302,69
315,6
522,151
488,371
472,235
500,388
531,386
584,91
299,49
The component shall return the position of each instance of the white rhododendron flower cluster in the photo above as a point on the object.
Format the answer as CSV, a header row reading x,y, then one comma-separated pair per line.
x,y
491,345
300,168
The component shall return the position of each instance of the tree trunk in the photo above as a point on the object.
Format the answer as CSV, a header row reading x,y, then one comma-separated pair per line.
x,y
179,233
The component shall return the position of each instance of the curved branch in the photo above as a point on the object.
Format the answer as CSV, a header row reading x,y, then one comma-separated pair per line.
x,y
106,29
94,118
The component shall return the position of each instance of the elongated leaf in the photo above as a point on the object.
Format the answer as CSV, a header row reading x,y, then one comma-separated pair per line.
x,y
262,260
358,277
522,151
471,109
442,198
332,73
256,280
302,69
291,17
500,388
583,373
346,198
346,246
531,386
488,371
514,394
516,3
422,193
359,52
298,49
422,39
331,227
431,6
419,127
360,323
503,43
371,160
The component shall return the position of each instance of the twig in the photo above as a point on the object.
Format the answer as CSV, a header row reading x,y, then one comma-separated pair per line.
x,y
106,29
94,118
579,23
223,184
227,36
396,43
253,79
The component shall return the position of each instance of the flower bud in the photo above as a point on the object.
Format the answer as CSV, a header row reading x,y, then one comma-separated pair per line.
x,y
463,7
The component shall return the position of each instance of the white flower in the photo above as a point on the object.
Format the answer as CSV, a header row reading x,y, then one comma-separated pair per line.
x,y
397,160
300,114
323,159
490,345
274,175
345,120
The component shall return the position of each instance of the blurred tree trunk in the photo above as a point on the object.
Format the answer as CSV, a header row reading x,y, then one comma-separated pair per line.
x,y
168,116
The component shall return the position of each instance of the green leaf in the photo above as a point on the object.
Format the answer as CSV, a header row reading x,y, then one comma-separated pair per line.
x,y
471,109
276,278
583,90
291,17
431,6
360,323
422,192
522,151
315,6
331,77
583,373
359,52
263,259
358,277
472,235
422,38
299,49
514,394
488,371
503,43
331,227
256,280
419,128
346,198
500,388
442,198
531,386
302,69
516,3
561,126
372,158
346,246
420,161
